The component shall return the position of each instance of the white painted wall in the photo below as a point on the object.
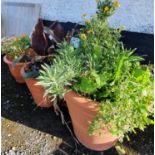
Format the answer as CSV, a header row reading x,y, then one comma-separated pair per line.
x,y
135,15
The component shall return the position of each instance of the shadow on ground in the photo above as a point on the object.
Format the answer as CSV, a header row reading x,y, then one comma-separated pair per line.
x,y
17,106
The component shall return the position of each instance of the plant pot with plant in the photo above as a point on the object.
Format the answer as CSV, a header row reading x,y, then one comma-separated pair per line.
x,y
44,41
29,73
18,53
109,93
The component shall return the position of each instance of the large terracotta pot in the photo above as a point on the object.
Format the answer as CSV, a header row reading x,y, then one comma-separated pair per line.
x,y
37,92
15,70
82,111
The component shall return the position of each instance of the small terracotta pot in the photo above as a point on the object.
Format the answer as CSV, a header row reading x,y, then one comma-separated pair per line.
x,y
15,70
82,111
37,92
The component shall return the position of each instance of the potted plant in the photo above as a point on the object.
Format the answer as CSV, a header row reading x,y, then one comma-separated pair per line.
x,y
17,53
108,92
44,41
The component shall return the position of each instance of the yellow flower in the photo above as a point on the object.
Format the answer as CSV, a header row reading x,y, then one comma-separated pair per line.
x,y
84,14
87,21
83,36
23,35
106,9
116,4
90,31
97,1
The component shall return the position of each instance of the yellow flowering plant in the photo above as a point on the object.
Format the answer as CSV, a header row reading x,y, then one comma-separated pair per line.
x,y
83,36
87,21
90,31
102,69
84,14
106,8
116,4
16,47
113,76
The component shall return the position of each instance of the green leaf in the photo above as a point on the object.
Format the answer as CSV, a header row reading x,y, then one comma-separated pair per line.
x,y
119,67
86,86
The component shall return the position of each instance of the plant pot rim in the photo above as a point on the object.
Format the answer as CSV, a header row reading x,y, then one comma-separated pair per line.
x,y
79,95
86,100
6,60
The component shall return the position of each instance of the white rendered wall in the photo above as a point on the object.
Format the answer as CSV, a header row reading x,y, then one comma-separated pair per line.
x,y
135,15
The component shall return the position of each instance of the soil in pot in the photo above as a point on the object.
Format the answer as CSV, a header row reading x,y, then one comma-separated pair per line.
x,y
82,111
37,92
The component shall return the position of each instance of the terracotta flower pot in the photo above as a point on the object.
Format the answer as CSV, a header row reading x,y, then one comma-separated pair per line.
x,y
37,92
82,111
15,70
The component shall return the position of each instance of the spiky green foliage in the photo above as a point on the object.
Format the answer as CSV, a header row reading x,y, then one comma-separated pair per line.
x,y
66,66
